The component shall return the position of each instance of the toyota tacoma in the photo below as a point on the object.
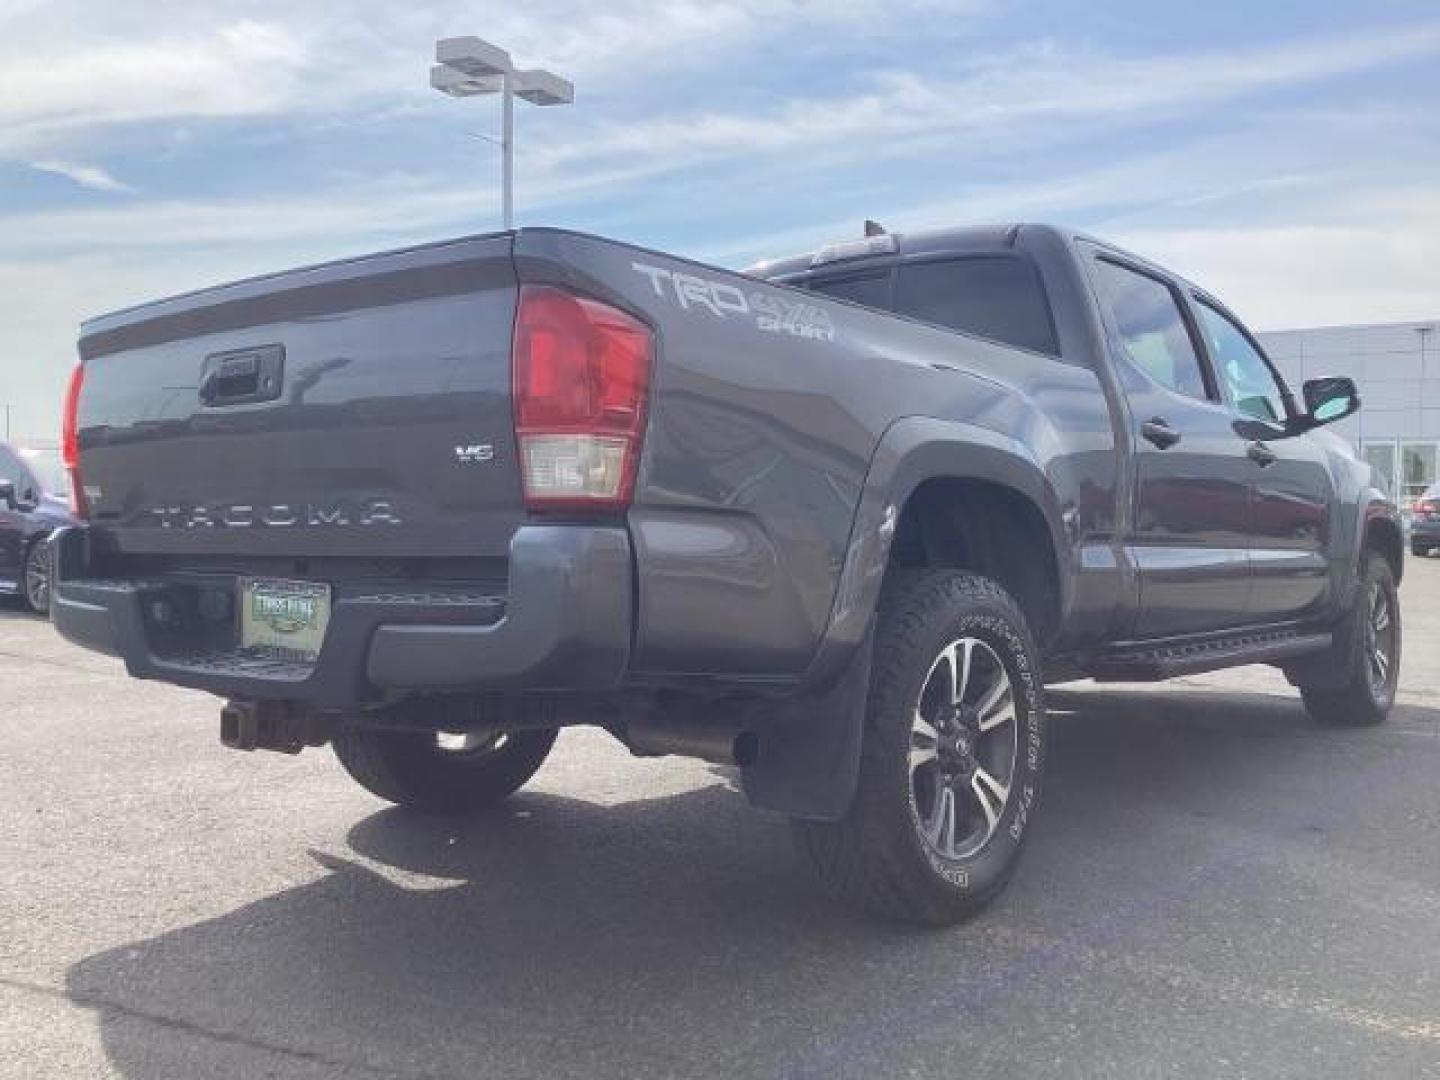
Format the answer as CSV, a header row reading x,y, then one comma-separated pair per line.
x,y
836,521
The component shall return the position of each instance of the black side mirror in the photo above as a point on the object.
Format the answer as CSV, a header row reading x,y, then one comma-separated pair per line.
x,y
7,495
1328,400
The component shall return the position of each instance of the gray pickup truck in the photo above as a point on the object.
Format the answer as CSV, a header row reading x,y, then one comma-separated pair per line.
x,y
836,521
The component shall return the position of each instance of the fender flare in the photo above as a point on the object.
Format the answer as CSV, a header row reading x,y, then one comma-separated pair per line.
x,y
912,451
1376,509
810,762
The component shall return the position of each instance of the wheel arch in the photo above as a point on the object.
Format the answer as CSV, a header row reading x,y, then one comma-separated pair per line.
x,y
918,460
990,528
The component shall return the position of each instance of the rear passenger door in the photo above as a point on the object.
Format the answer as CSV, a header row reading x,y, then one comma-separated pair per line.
x,y
1190,519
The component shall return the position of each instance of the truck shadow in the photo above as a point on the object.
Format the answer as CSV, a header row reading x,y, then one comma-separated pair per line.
x,y
12,609
675,936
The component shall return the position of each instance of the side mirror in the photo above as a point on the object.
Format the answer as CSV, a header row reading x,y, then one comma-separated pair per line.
x,y
1328,400
7,495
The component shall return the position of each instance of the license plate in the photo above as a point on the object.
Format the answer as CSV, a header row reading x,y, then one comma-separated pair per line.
x,y
284,619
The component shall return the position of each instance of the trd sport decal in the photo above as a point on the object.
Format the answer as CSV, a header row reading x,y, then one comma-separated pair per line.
x,y
773,313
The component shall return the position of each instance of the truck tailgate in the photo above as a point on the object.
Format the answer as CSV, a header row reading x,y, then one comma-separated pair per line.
x,y
355,409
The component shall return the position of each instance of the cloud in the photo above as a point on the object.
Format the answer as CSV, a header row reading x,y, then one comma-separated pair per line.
x,y
1369,257
73,65
356,213
88,176
270,133
80,81
999,96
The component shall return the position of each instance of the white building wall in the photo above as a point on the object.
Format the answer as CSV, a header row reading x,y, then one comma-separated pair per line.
x,y
1397,369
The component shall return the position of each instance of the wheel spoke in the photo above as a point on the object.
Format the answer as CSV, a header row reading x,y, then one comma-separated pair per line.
x,y
991,794
924,742
1382,663
998,705
1382,618
940,826
957,659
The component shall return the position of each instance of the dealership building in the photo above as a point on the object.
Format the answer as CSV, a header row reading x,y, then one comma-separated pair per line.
x,y
1397,369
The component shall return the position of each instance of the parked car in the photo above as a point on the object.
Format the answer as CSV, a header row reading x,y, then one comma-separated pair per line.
x,y
28,515
836,522
1425,522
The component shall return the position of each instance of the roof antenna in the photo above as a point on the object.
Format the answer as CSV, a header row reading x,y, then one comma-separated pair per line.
x,y
874,228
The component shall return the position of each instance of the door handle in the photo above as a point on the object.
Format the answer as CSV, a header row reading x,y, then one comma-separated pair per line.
x,y
1261,454
1160,433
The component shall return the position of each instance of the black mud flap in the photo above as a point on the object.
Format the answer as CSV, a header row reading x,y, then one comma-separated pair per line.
x,y
809,759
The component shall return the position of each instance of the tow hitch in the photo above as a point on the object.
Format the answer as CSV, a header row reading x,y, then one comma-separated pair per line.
x,y
272,725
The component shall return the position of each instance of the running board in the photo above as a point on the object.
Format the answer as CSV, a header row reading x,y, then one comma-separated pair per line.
x,y
1151,661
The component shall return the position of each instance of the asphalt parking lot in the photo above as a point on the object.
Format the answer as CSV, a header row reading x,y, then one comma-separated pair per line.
x,y
1215,887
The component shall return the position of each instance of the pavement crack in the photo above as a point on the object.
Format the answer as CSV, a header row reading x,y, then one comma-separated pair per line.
x,y
101,1003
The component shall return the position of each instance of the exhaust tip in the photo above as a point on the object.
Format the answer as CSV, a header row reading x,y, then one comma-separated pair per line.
x,y
238,729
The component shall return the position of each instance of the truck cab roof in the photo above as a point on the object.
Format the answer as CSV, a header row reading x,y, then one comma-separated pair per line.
x,y
877,249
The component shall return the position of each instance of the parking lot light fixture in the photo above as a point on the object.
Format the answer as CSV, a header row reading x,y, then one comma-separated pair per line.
x,y
469,67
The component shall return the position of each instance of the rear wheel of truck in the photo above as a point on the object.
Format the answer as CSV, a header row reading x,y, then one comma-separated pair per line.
x,y
952,756
1366,654
438,772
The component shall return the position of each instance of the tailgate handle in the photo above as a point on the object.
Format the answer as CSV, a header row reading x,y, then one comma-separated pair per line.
x,y
243,376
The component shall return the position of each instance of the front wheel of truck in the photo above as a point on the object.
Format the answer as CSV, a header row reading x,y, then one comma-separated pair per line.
x,y
439,772
952,756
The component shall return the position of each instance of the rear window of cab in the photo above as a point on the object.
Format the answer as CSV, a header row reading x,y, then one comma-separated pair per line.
x,y
1000,297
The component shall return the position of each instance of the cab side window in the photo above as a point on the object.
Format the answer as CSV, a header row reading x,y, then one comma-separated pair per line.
x,y
1147,315
996,297
1248,380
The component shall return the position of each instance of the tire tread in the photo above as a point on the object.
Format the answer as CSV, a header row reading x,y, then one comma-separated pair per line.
x,y
856,859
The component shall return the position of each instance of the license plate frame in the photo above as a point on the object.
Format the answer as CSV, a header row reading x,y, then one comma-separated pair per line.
x,y
282,618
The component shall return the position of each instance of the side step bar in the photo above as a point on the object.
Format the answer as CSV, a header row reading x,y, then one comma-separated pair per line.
x,y
1151,661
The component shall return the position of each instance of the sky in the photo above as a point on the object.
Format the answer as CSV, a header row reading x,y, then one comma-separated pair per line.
x,y
1285,153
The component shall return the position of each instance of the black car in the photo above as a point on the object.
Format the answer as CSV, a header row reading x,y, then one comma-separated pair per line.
x,y
28,515
1425,524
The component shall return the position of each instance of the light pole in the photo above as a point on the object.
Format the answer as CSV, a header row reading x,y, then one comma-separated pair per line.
x,y
468,66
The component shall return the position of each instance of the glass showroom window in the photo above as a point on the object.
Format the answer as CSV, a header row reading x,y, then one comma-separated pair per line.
x,y
1381,455
1417,470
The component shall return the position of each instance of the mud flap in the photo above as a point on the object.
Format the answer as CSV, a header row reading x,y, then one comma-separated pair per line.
x,y
1333,668
809,762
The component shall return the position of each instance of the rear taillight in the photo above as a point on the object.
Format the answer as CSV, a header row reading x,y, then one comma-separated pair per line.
x,y
70,440
581,373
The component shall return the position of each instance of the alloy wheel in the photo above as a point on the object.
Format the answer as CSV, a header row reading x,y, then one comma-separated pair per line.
x,y
37,576
964,744
1380,638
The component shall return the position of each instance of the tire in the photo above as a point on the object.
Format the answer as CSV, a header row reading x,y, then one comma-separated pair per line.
x,y
416,770
1366,653
898,851
35,582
